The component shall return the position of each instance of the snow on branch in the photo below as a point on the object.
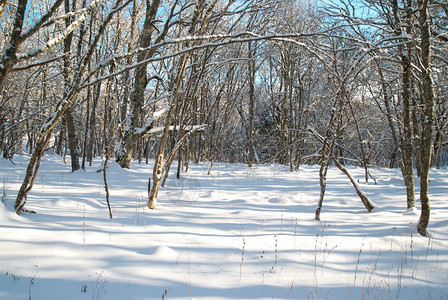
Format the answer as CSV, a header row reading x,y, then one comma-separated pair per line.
x,y
41,63
143,132
159,130
215,40
42,20
61,36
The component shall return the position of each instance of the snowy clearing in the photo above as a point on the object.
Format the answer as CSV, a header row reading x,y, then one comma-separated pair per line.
x,y
238,233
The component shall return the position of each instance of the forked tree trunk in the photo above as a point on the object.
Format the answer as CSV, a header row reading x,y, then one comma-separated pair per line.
x,y
367,203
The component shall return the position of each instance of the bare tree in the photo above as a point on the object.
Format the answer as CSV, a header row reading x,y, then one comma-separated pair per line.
x,y
54,118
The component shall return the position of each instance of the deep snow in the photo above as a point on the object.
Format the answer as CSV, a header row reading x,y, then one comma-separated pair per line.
x,y
237,233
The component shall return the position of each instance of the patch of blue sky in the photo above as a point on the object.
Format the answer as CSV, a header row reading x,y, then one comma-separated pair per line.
x,y
34,10
356,8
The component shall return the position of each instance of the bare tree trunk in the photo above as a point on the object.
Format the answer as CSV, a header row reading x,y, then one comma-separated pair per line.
x,y
408,160
325,159
68,77
92,131
251,73
416,133
390,122
31,172
323,185
367,203
438,146
86,131
106,132
198,16
140,82
72,140
405,55
9,58
361,145
428,116
159,163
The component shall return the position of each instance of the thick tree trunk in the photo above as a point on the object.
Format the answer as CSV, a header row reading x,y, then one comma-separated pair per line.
x,y
140,82
31,172
67,73
428,115
9,57
72,140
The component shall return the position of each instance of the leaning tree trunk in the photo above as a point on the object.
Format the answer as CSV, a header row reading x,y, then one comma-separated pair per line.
x,y
367,203
428,115
159,163
325,157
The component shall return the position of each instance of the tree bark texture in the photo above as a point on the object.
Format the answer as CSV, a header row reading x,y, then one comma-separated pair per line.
x,y
140,82
407,145
428,115
68,77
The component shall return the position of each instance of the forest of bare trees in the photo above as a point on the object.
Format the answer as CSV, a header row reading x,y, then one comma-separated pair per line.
x,y
255,81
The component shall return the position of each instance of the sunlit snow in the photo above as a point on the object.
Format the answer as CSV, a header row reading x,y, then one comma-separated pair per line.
x,y
238,233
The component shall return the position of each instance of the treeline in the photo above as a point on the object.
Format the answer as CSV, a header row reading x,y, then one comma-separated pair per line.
x,y
254,81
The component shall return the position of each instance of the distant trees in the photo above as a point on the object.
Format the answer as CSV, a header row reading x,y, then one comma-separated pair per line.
x,y
235,81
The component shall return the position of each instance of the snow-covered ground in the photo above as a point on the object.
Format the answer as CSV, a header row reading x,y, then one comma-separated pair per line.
x,y
237,233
